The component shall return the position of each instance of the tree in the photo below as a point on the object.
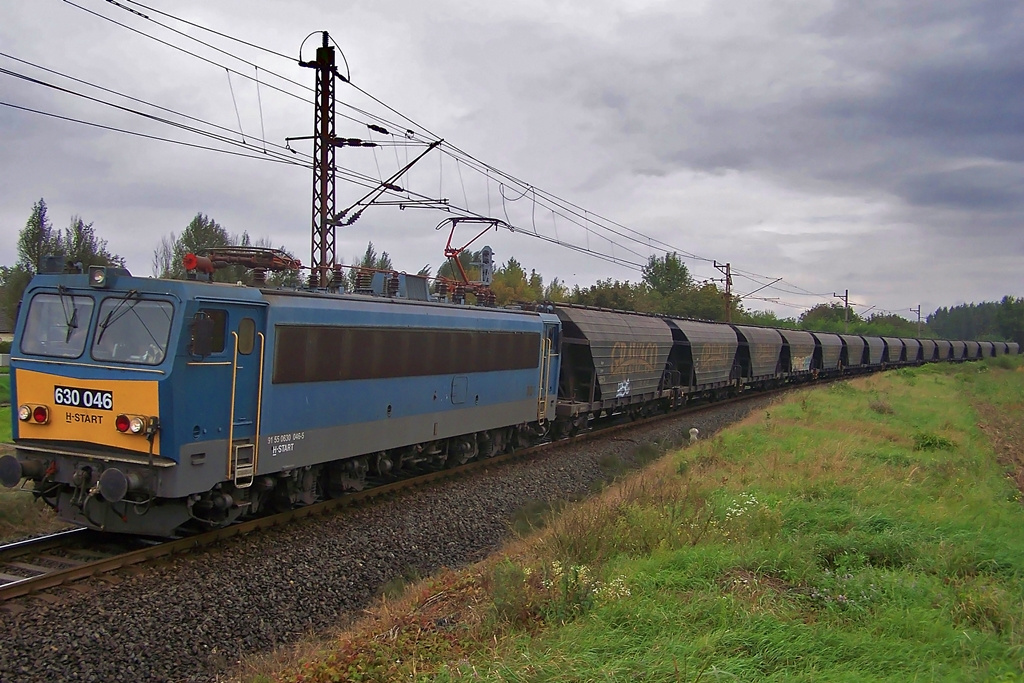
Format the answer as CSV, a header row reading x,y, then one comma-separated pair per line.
x,y
765,319
668,275
556,291
202,233
966,321
37,240
511,284
827,318
624,296
1010,318
887,325
467,259
13,282
80,244
163,256
370,261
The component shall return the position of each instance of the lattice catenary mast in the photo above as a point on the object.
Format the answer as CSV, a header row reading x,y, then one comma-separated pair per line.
x,y
323,252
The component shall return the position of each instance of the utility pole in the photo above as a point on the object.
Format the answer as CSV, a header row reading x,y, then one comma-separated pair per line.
x,y
726,269
918,311
323,254
846,309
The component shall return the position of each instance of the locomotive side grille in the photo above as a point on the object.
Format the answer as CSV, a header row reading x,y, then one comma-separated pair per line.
x,y
318,353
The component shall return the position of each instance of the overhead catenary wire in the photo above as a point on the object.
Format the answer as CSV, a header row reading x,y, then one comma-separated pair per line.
x,y
130,98
590,222
291,81
559,203
152,117
183,143
209,30
348,174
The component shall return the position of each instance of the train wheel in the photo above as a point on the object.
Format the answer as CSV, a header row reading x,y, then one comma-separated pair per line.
x,y
462,449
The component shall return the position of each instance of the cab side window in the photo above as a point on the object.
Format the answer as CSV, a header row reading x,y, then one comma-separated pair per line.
x,y
220,324
246,336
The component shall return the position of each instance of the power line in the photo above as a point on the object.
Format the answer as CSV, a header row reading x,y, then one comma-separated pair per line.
x,y
136,112
349,174
142,135
131,98
557,201
229,54
204,28
558,206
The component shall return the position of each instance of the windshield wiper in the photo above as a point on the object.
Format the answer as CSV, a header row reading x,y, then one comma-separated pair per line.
x,y
110,319
70,321
73,322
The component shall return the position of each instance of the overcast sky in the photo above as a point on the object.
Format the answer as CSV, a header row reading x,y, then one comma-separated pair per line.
x,y
875,146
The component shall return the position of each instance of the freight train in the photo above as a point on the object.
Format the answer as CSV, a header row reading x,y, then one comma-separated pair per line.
x,y
159,407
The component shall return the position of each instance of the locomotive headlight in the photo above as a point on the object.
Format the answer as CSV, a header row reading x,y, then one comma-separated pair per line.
x,y
98,276
40,415
24,413
136,424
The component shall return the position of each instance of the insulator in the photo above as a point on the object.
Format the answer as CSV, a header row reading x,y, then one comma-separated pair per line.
x,y
314,279
393,285
259,277
442,290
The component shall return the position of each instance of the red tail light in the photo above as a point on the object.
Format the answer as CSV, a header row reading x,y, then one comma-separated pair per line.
x,y
41,415
136,424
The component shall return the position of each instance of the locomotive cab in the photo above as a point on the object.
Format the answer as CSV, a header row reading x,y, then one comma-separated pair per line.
x,y
86,372
105,370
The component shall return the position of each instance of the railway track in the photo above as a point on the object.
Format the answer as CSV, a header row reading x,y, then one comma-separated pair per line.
x,y
43,562
38,564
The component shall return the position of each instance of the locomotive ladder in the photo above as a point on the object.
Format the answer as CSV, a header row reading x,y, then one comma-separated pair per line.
x,y
242,457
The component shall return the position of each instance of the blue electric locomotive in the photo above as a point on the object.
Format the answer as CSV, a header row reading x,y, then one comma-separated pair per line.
x,y
151,406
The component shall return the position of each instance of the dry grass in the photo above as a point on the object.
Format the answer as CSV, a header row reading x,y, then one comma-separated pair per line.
x,y
1005,431
802,530
22,516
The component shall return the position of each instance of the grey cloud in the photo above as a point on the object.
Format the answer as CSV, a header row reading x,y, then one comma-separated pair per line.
x,y
985,189
914,108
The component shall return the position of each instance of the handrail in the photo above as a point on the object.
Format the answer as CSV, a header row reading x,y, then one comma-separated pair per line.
x,y
231,419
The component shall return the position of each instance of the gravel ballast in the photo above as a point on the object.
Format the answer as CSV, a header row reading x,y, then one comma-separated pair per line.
x,y
192,618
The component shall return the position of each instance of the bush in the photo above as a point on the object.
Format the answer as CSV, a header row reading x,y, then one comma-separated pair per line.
x,y
880,406
1003,362
927,441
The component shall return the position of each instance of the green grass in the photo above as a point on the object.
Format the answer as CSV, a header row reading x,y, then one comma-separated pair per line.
x,y
5,425
866,531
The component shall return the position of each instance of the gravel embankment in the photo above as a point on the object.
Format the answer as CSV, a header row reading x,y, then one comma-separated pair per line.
x,y
193,617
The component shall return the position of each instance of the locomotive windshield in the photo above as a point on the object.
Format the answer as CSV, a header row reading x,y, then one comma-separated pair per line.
x,y
57,325
132,330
